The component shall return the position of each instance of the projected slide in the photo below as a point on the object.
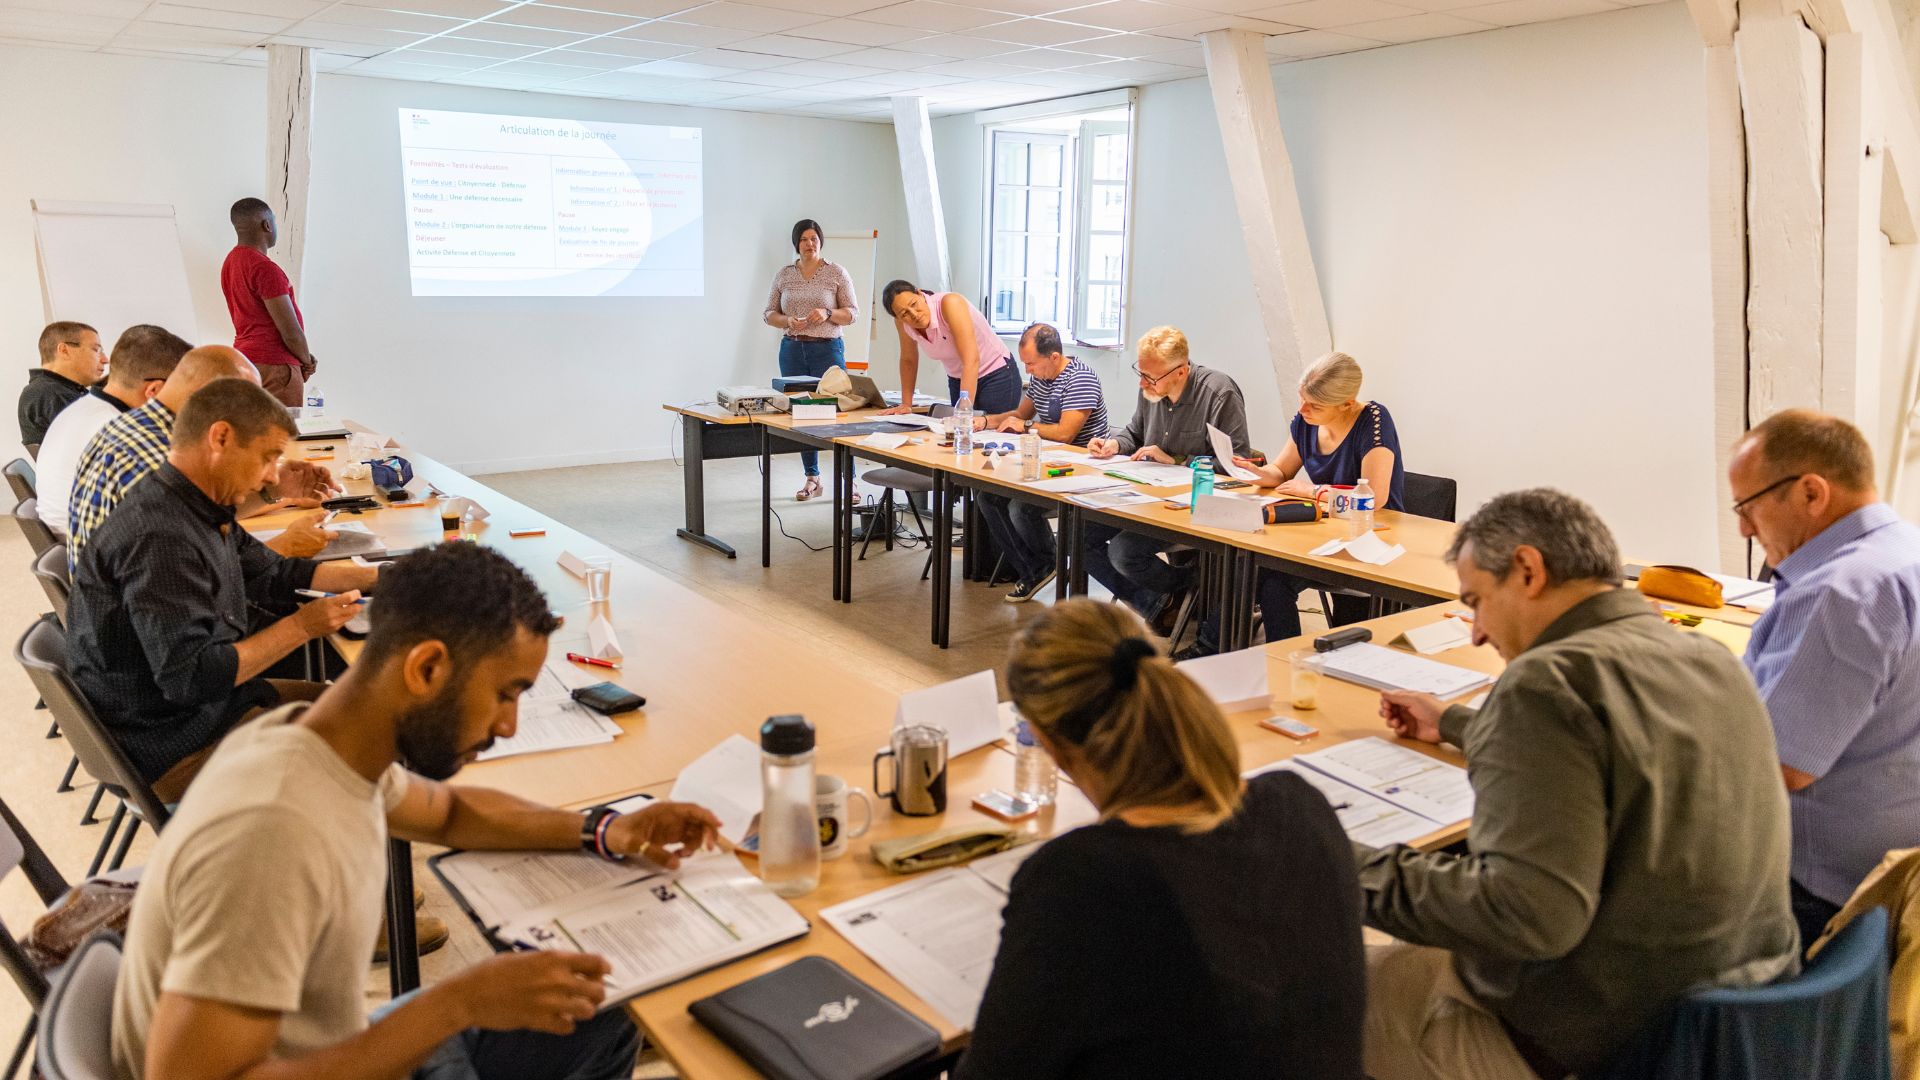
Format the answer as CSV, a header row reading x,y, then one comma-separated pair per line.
x,y
521,206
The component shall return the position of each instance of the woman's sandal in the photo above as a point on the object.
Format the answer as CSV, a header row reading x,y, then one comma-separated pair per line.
x,y
810,490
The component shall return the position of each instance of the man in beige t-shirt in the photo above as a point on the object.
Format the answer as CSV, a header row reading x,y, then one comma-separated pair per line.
x,y
246,951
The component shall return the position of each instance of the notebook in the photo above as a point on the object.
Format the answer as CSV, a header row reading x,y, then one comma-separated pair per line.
x,y
811,1020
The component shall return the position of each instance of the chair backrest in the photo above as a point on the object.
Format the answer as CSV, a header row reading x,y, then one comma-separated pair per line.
x,y
43,652
27,515
76,1022
55,580
21,479
18,848
1431,496
939,411
1829,1023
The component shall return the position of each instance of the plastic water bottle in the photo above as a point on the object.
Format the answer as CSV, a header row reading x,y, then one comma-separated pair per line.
x,y
963,425
315,401
1361,522
1202,479
1030,455
789,825
1034,775
470,526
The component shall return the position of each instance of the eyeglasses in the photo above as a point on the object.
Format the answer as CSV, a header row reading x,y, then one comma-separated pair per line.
x,y
1740,506
1155,382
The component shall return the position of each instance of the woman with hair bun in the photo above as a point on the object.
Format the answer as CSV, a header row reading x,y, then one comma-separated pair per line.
x,y
1206,926
811,300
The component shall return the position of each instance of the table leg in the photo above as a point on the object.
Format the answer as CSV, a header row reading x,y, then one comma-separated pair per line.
x,y
766,495
1239,600
694,476
942,556
844,459
1061,546
403,951
1078,585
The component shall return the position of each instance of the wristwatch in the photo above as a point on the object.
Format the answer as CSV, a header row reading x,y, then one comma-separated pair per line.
x,y
593,832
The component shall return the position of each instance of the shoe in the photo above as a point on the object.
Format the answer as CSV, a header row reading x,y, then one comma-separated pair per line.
x,y
809,490
1195,651
429,934
419,898
1024,591
1163,621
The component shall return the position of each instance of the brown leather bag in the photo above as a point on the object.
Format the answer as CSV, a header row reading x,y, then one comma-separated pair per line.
x,y
96,904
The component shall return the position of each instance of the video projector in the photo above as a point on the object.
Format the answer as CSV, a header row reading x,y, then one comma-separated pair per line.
x,y
751,400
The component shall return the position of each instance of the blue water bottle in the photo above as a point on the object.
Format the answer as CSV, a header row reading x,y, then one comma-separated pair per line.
x,y
1202,479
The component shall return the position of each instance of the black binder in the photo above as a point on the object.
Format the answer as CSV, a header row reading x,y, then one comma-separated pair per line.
x,y
811,1020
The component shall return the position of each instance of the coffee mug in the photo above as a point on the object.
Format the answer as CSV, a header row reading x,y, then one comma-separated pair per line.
x,y
918,770
831,799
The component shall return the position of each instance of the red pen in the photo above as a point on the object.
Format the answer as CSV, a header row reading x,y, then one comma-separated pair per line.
x,y
594,660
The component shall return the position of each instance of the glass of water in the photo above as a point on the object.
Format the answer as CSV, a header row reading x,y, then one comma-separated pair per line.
x,y
599,579
1307,667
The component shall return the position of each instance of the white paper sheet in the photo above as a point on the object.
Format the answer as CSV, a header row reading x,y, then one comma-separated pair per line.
x,y
1366,547
1436,637
725,780
914,420
498,885
572,564
1236,681
1151,473
1227,512
1365,818
1758,602
967,708
1077,485
1381,668
602,642
937,933
1223,454
1124,496
1402,776
1064,456
1185,498
803,414
881,440
998,870
1733,590
553,725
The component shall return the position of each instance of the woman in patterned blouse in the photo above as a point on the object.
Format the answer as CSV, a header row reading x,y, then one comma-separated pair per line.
x,y
811,300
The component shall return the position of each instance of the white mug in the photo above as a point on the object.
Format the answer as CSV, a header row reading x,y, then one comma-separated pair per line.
x,y
831,796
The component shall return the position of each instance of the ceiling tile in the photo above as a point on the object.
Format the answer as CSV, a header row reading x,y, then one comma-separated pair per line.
x,y
784,80
121,9
289,9
396,69
638,9
38,36
499,80
1142,70
364,35
1516,12
851,32
70,22
893,81
1203,23
568,19
830,9
1311,43
1127,15
680,69
633,50
734,58
160,46
831,69
490,30
224,20
492,50
549,72
1037,32
1133,46
890,59
459,9
621,82
1027,7
956,47
1062,80
1332,14
731,16
975,69
205,36
440,60
326,46
599,61
410,21
1050,59
799,48
675,33
1421,27
931,16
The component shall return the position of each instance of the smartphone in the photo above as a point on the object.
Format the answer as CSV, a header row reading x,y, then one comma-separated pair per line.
x,y
1291,728
1004,805
1225,484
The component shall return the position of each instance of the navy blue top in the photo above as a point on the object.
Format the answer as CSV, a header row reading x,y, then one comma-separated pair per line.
x,y
1374,428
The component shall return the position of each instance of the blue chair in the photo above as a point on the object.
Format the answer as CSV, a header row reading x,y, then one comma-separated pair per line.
x,y
1830,1023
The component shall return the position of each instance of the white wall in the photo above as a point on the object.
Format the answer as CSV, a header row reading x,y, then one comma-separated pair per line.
x,y
487,384
1510,232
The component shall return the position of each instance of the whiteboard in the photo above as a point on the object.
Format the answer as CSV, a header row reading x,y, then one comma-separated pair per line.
x,y
111,266
859,252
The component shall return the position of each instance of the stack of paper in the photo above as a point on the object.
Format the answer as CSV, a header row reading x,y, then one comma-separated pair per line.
x,y
1384,793
1122,496
1076,485
1436,637
882,441
1366,547
1185,498
551,720
1152,473
1389,669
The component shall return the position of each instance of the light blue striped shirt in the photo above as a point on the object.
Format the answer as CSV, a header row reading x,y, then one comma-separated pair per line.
x,y
1837,659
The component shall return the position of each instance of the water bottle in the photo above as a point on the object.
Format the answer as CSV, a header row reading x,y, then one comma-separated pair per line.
x,y
1030,455
1034,776
315,401
470,525
963,426
1361,521
1202,479
789,825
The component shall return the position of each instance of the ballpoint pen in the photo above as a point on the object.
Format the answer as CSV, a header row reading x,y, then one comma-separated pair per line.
x,y
594,660
318,595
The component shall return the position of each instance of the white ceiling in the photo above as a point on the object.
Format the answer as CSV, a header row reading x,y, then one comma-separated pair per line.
x,y
836,58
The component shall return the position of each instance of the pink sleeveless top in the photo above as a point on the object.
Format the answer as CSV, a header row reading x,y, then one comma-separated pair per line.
x,y
937,340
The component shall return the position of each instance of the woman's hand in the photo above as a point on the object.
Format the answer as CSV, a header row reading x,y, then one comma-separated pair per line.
x,y
1154,453
895,410
1298,488
819,317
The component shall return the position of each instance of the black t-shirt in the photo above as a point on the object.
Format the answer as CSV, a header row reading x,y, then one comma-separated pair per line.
x,y
46,393
1150,952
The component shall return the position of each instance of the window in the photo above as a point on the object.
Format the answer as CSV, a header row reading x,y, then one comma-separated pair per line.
x,y
1056,224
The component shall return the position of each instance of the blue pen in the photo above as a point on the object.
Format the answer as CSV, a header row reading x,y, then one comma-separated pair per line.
x,y
317,595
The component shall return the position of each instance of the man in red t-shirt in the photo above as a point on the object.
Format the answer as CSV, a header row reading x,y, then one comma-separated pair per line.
x,y
267,326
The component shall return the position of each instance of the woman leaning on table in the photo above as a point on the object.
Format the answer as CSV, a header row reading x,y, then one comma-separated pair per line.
x,y
1206,926
811,300
1335,438
948,328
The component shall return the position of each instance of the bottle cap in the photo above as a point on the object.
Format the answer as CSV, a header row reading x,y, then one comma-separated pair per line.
x,y
1023,734
789,734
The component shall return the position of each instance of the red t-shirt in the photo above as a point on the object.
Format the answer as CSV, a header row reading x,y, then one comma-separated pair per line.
x,y
250,279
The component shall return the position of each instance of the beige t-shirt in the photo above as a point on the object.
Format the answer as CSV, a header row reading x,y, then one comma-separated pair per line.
x,y
265,891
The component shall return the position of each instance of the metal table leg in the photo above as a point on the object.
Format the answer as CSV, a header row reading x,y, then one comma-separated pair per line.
x,y
695,477
1062,547
403,951
1077,586
843,459
766,495
942,556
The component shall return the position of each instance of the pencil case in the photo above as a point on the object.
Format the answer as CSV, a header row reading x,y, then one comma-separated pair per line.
x,y
942,847
1291,512
1682,585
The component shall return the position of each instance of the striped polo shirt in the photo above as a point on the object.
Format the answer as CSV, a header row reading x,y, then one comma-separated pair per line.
x,y
1075,389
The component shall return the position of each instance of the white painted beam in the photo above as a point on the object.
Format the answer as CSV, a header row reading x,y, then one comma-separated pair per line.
x,y
1898,109
926,223
1716,20
1853,321
290,151
1284,283
1727,259
1782,104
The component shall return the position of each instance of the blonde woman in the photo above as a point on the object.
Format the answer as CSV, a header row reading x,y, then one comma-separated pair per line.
x,y
1205,926
1336,439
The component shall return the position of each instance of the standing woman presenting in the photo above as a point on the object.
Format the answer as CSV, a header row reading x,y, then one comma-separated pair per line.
x,y
811,300
951,330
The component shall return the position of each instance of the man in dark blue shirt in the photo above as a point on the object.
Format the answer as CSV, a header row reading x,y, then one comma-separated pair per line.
x,y
71,359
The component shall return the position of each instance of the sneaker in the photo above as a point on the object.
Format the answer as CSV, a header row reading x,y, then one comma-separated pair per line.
x,y
429,934
1026,591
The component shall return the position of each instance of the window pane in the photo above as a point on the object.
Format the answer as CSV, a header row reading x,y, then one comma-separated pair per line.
x,y
1110,158
1109,208
1044,211
1103,257
1008,303
1011,161
1046,165
1043,301
1010,209
1103,312
1043,256
1009,256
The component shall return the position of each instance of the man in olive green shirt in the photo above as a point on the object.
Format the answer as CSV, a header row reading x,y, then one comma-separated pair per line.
x,y
1629,840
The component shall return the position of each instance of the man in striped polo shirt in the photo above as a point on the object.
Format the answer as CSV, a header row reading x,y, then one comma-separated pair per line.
x,y
1837,656
1062,402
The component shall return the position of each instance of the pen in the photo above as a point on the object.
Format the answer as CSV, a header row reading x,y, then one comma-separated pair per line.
x,y
317,595
594,660
520,533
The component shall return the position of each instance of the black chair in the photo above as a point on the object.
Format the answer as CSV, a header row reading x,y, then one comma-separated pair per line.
x,y
18,848
21,479
42,651
1436,497
50,569
891,479
39,537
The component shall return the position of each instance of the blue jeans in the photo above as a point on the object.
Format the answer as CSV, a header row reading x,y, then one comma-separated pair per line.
x,y
811,356
996,392
1021,530
1129,565
603,1048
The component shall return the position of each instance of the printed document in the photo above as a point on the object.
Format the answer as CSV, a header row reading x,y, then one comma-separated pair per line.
x,y
551,720
725,780
1152,473
1223,454
1381,668
967,709
1366,547
1400,775
1366,818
